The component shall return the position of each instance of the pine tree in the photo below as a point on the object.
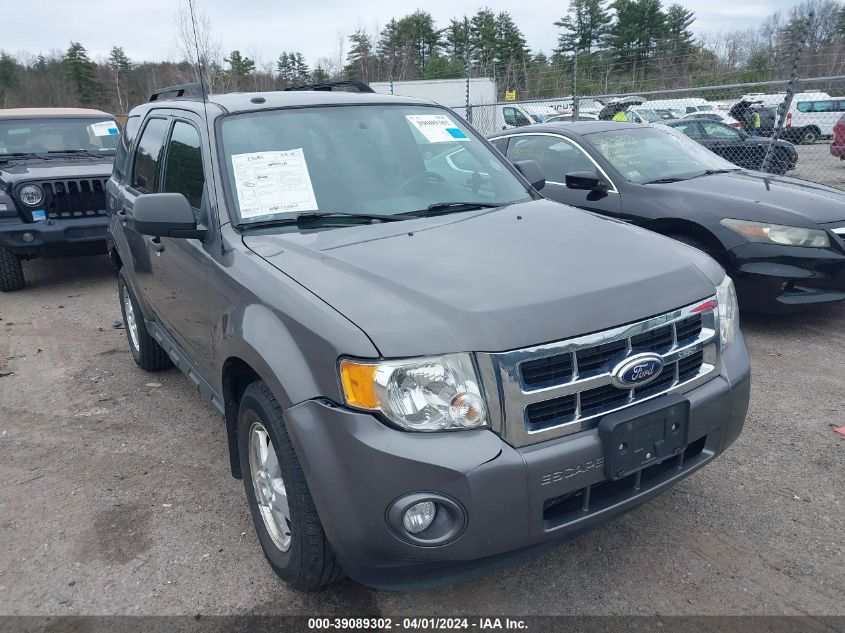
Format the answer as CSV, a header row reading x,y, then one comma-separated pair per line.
x,y
81,72
483,41
389,50
10,75
638,26
300,68
457,40
510,44
120,66
360,61
239,65
584,27
419,40
320,74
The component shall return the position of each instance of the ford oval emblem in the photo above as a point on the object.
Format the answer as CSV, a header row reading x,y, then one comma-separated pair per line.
x,y
637,371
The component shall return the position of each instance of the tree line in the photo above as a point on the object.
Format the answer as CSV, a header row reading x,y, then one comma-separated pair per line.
x,y
604,46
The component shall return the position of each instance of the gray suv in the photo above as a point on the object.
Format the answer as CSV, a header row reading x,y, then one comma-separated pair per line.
x,y
425,369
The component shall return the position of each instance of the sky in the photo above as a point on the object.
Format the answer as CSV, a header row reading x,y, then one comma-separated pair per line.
x,y
265,28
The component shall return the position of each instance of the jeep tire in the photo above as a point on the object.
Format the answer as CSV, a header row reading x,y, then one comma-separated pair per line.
x,y
286,521
146,351
11,271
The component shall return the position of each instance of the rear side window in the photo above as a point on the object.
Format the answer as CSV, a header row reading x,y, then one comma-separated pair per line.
x,y
804,106
823,106
121,158
183,171
148,155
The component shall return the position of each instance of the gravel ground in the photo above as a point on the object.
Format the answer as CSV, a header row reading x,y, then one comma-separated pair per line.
x,y
115,496
816,163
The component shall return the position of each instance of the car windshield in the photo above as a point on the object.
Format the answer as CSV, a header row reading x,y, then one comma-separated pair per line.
x,y
42,135
377,160
655,153
649,115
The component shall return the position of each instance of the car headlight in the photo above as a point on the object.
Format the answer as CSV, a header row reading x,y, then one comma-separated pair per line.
x,y
728,311
778,234
421,394
31,195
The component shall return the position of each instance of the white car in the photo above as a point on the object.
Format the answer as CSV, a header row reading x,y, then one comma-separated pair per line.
x,y
722,117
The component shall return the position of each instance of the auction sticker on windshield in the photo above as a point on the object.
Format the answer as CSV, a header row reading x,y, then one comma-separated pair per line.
x,y
268,183
105,128
437,128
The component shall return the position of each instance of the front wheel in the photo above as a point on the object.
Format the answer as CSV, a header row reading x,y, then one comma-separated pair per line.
x,y
285,519
11,271
146,351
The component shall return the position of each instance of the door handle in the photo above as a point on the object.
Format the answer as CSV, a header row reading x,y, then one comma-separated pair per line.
x,y
121,213
156,245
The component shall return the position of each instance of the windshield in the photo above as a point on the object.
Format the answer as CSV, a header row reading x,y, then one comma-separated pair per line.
x,y
41,136
649,115
647,154
380,160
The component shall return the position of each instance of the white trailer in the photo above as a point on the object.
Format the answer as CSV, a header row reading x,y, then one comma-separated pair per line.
x,y
485,114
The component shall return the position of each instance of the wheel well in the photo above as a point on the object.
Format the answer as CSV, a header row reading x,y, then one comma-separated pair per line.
x,y
684,227
237,376
115,259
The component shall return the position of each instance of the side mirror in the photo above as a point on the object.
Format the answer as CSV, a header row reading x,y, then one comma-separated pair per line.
x,y
585,181
532,172
165,215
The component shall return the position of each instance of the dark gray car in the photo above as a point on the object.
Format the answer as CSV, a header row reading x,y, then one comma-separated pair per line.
x,y
54,163
425,369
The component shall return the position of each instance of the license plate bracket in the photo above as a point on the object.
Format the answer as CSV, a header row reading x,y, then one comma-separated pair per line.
x,y
636,438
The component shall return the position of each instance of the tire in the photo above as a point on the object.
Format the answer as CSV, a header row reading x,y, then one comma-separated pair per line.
x,y
146,351
809,136
11,271
307,562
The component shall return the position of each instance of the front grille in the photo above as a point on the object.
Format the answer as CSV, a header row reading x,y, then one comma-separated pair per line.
x,y
565,387
76,198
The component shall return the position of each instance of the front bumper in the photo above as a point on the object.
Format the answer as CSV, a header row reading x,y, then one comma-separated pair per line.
x,y
776,279
55,238
356,467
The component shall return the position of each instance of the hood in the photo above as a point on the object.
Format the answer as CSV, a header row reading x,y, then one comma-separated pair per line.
x,y
493,280
56,169
749,195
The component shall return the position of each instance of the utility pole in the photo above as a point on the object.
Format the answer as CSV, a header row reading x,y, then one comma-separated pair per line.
x,y
791,88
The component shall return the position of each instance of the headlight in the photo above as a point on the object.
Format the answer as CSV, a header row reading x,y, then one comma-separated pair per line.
x,y
778,234
728,311
420,394
31,195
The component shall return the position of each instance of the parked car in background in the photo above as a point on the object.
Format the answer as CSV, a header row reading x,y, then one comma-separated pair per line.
x,y
669,113
54,163
327,269
781,239
684,106
737,146
837,146
721,117
583,116
811,118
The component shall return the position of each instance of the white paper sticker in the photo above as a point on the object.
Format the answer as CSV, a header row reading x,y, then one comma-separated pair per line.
x,y
437,128
268,183
105,128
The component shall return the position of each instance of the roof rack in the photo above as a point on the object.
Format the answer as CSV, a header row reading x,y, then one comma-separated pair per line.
x,y
329,86
196,92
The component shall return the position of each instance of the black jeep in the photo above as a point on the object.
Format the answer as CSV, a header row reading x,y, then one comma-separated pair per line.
x,y
53,166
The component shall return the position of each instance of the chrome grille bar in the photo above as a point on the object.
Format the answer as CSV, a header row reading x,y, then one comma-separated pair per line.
x,y
510,396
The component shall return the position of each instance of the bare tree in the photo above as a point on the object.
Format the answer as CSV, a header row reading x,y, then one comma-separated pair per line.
x,y
198,45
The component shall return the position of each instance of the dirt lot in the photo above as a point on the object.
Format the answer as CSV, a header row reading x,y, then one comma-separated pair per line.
x,y
115,496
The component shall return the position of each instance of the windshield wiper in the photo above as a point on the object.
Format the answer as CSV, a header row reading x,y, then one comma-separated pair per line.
x,y
74,151
440,208
661,181
312,216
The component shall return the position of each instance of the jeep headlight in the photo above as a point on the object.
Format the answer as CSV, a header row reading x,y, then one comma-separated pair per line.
x,y
421,394
31,195
778,234
728,311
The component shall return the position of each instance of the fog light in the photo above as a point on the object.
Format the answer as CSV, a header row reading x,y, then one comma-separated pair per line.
x,y
28,237
419,516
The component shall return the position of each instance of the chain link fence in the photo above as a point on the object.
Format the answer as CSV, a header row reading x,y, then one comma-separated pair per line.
x,y
786,127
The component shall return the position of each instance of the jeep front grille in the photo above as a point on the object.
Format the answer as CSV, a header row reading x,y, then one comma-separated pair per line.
x,y
76,198
561,388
